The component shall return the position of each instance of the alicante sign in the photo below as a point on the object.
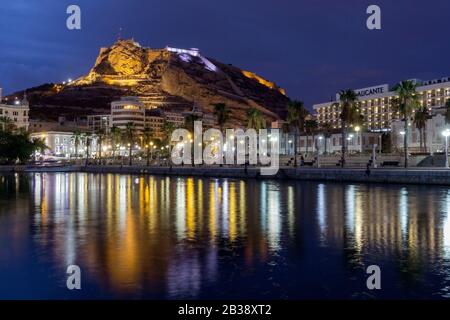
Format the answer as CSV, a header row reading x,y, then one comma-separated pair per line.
x,y
370,91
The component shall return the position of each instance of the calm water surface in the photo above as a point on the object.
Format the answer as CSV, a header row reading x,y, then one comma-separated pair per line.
x,y
189,238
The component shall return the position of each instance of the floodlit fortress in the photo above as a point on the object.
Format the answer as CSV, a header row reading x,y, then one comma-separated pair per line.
x,y
376,104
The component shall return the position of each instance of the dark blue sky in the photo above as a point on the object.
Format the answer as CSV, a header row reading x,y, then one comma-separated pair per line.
x,y
311,48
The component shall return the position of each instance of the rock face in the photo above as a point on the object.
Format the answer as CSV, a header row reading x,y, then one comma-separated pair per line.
x,y
167,78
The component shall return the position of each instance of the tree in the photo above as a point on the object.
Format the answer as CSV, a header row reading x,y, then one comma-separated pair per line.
x,y
100,134
255,119
310,129
18,146
296,120
326,129
405,104
222,114
115,134
168,128
421,117
88,139
38,144
130,138
147,136
189,122
77,140
349,115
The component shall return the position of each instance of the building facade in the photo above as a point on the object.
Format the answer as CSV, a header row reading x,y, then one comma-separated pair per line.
x,y
154,119
99,122
176,118
17,113
376,104
128,110
429,140
362,142
61,144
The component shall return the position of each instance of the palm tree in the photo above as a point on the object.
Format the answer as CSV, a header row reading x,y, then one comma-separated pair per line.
x,y
296,121
115,134
77,140
88,138
101,134
326,130
129,137
38,144
189,122
310,129
222,114
168,128
255,119
406,103
147,135
349,115
421,117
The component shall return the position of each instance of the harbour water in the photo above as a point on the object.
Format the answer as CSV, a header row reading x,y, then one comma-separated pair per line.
x,y
155,237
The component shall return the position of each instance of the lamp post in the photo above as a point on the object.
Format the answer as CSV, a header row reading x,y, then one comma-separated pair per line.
x,y
318,150
403,133
358,140
446,134
350,141
151,150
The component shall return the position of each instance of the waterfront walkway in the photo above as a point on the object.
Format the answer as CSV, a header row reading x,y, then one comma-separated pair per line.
x,y
435,176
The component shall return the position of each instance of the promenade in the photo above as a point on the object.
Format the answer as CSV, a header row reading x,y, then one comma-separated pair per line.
x,y
432,176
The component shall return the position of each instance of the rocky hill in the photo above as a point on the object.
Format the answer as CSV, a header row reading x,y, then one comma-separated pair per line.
x,y
163,78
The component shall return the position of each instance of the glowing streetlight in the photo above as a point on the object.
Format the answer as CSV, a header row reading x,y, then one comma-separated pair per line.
x,y
446,134
318,143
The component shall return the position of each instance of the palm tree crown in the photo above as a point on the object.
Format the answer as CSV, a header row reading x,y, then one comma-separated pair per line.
x,y
222,114
255,119
350,115
297,114
406,103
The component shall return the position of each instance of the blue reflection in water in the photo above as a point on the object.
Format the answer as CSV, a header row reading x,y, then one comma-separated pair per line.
x,y
188,238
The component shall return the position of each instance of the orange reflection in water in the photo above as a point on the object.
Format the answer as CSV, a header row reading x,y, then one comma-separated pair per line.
x,y
135,232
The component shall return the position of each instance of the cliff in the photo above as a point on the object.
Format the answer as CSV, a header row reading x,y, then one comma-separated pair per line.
x,y
163,78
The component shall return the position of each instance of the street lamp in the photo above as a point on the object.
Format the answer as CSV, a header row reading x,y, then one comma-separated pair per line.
x,y
358,140
402,133
446,134
318,150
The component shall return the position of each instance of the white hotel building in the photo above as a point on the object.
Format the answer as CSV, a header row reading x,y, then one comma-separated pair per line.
x,y
376,106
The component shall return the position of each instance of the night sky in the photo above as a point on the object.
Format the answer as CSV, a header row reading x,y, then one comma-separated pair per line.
x,y
311,48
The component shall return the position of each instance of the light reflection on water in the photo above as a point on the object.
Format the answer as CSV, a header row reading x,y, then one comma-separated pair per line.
x,y
169,237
